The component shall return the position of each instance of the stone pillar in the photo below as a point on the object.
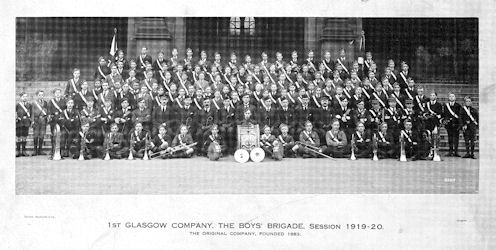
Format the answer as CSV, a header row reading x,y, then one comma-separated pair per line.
x,y
151,32
311,36
339,33
179,37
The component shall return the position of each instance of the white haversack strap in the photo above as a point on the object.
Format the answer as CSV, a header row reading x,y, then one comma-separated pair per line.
x,y
382,136
429,108
403,76
359,136
342,65
290,97
451,111
316,102
56,106
406,135
101,72
325,64
409,95
73,83
398,101
470,115
83,98
24,108
419,103
333,137
40,108
308,136
379,99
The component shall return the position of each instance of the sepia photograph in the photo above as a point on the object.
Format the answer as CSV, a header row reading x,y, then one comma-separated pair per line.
x,y
225,105
360,124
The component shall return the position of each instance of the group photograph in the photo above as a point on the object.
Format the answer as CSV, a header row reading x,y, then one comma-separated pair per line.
x,y
246,105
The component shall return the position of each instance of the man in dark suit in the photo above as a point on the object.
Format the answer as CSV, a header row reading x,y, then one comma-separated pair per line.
x,y
303,114
240,110
287,116
227,121
323,118
70,117
162,116
73,86
268,116
207,118
434,111
142,115
470,121
143,58
453,122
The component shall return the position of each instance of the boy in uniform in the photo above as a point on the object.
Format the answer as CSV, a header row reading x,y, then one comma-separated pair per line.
x,y
470,121
39,113
23,122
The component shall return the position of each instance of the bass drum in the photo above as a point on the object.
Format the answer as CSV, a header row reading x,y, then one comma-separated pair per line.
x,y
214,151
241,156
257,155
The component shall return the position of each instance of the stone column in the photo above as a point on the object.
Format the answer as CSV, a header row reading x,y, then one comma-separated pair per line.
x,y
150,32
179,37
311,36
338,33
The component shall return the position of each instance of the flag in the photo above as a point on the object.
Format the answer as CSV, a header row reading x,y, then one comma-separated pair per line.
x,y
113,45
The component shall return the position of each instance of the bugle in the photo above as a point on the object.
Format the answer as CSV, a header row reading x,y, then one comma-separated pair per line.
x,y
131,145
374,148
314,149
402,148
145,155
353,157
107,149
56,152
435,137
83,147
172,150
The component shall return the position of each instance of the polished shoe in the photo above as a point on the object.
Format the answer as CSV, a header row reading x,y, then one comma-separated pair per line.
x,y
456,155
473,157
467,156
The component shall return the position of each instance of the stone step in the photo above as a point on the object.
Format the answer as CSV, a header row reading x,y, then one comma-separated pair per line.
x,y
443,141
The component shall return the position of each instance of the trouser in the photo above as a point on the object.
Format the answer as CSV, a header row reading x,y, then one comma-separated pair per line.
x,y
321,132
138,152
453,138
363,152
288,150
337,152
39,131
469,136
115,153
21,135
65,140
89,152
183,154
202,133
385,152
307,153
419,151
228,132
